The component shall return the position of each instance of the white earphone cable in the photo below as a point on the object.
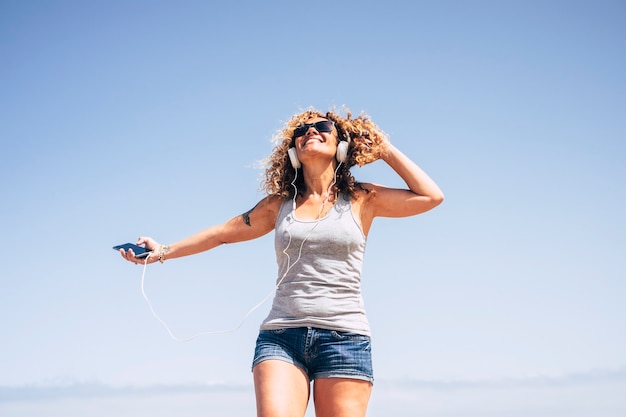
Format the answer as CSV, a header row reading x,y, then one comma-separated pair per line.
x,y
289,266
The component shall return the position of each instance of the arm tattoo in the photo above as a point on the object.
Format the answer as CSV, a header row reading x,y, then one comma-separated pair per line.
x,y
246,216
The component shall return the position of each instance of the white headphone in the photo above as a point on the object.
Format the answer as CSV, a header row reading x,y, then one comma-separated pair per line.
x,y
341,155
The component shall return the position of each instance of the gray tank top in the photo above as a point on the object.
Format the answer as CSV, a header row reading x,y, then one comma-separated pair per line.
x,y
319,286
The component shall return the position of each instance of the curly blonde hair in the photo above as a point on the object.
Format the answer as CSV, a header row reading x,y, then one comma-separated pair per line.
x,y
366,146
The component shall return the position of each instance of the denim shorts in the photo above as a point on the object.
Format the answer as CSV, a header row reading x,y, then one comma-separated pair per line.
x,y
319,353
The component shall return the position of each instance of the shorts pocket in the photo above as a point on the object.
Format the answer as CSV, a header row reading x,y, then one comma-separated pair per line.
x,y
273,331
348,336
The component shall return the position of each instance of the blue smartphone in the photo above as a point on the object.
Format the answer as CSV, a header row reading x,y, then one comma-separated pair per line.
x,y
140,251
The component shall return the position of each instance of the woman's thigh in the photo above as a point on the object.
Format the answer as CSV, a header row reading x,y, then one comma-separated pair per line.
x,y
281,388
341,397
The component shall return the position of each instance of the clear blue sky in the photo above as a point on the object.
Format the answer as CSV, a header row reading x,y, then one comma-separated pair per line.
x,y
128,118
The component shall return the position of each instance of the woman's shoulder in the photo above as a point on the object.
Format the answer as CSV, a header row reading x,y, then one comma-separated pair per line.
x,y
367,193
363,190
271,202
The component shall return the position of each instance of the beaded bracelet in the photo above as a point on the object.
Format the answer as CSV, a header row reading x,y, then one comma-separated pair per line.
x,y
162,251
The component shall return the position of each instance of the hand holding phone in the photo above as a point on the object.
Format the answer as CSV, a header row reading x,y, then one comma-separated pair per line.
x,y
139,251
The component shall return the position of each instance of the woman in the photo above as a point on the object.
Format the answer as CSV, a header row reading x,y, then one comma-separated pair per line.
x,y
317,329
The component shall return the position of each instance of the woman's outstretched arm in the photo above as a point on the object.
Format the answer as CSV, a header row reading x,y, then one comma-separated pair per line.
x,y
252,224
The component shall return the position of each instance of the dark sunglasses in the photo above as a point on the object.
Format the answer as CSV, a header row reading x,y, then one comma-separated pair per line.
x,y
323,126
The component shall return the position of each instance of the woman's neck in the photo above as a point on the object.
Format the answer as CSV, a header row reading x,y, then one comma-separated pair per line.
x,y
319,182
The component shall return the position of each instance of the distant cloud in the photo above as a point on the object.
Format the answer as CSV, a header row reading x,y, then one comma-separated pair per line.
x,y
534,380
43,392
95,389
